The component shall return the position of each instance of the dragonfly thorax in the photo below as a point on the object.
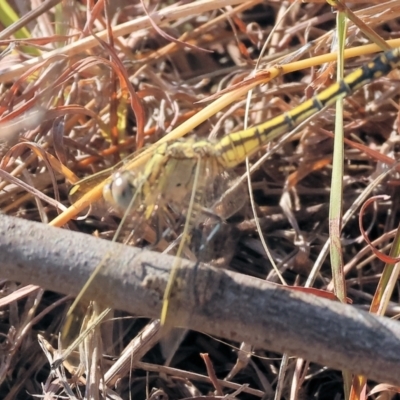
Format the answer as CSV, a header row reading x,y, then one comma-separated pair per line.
x,y
171,184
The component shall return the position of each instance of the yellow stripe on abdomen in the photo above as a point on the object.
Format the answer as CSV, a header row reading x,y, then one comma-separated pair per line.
x,y
233,149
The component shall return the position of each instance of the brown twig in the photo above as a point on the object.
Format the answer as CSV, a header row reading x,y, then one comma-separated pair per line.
x,y
221,303
211,373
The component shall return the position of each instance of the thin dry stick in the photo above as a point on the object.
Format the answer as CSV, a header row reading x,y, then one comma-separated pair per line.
x,y
220,303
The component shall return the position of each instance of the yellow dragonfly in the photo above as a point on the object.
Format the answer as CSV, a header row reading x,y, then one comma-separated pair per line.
x,y
178,173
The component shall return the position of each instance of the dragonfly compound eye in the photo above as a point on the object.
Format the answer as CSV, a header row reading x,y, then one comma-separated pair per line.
x,y
122,190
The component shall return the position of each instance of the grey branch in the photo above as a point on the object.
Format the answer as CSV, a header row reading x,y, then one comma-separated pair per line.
x,y
217,302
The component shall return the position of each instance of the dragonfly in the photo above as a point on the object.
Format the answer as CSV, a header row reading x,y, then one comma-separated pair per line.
x,y
178,173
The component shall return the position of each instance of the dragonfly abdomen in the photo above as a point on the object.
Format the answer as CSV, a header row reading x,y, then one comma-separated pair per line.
x,y
233,149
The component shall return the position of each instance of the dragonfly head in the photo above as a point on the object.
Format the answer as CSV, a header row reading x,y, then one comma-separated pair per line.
x,y
121,191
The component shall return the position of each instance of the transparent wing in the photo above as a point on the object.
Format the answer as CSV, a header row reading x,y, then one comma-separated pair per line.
x,y
153,200
86,184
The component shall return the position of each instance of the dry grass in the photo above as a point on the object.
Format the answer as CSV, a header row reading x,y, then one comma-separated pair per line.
x,y
87,102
